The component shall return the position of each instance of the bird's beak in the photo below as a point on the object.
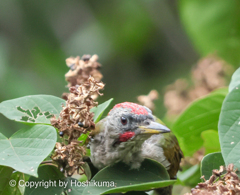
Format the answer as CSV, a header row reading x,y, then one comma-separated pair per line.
x,y
154,128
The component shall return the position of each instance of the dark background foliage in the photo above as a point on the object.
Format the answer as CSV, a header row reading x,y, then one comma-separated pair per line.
x,y
141,46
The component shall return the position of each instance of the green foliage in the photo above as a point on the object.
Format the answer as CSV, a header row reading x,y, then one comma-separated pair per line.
x,y
235,81
213,27
47,173
201,115
10,181
87,171
210,141
113,180
192,130
150,175
210,162
32,109
27,148
189,177
229,127
59,183
99,110
5,175
19,188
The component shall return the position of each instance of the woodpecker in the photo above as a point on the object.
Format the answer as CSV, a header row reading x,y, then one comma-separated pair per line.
x,y
130,133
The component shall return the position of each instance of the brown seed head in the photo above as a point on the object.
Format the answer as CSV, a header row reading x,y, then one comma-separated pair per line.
x,y
76,119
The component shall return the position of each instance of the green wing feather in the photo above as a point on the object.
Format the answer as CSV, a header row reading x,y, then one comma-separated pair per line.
x,y
172,151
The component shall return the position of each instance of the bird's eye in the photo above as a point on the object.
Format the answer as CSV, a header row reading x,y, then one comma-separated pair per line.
x,y
147,123
123,120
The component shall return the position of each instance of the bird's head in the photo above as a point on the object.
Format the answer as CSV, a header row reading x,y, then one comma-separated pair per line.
x,y
131,122
120,135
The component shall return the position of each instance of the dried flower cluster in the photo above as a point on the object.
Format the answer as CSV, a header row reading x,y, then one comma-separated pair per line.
x,y
76,115
147,100
219,183
81,69
209,74
74,120
69,157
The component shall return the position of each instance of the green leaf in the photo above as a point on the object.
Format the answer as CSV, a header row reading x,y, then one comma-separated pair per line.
x,y
53,182
99,110
211,141
87,171
201,115
27,148
120,178
32,109
134,193
75,187
213,27
229,128
19,180
235,80
222,90
10,181
83,138
183,176
190,177
5,175
210,162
